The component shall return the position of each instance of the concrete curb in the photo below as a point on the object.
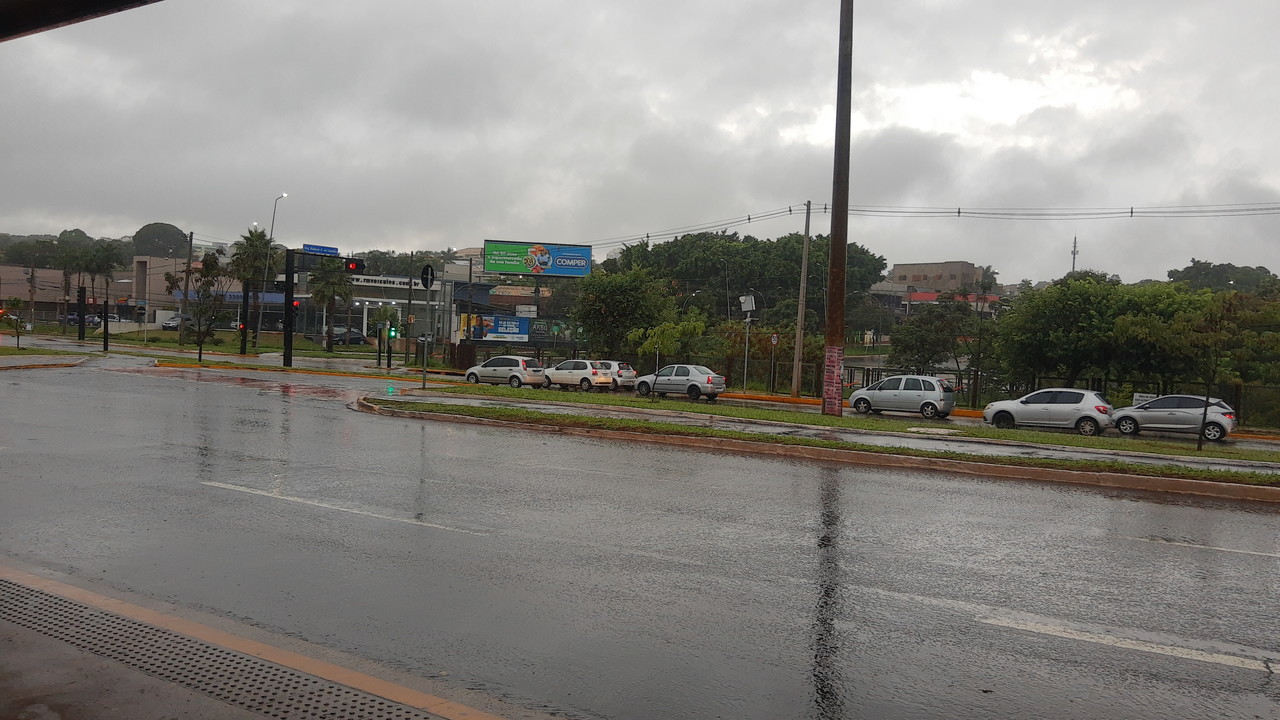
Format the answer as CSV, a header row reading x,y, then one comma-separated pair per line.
x,y
1202,488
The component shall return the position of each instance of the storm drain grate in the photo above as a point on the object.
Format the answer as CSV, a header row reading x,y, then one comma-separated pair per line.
x,y
232,677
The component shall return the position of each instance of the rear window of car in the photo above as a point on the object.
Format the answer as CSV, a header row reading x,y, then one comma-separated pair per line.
x,y
699,370
946,386
624,367
599,365
531,364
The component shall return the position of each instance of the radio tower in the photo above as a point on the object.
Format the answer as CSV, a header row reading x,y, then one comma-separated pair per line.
x,y
1075,250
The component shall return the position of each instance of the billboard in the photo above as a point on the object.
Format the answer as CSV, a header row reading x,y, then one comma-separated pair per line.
x,y
497,327
512,258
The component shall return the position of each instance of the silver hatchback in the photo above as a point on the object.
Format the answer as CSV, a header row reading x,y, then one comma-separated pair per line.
x,y
932,397
693,380
1178,413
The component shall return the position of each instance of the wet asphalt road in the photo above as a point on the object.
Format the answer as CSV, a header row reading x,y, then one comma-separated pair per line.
x,y
600,580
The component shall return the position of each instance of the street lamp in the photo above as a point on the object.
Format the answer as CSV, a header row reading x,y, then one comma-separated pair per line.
x,y
685,301
266,267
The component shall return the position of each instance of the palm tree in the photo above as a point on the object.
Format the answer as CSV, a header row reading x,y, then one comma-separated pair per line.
x,y
255,260
328,284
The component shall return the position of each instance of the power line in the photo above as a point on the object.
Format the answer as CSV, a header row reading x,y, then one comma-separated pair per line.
x,y
977,213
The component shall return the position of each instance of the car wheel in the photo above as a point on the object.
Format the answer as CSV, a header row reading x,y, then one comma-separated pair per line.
x,y
514,381
585,384
473,378
694,392
929,411
711,396
1214,432
614,385
1004,421
1087,427
662,394
862,405
643,389
1127,426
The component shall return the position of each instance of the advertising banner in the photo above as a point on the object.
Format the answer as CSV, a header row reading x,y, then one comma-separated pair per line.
x,y
510,258
497,327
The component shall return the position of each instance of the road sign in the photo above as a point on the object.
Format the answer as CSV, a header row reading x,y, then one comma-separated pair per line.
x,y
320,250
412,319
773,339
428,276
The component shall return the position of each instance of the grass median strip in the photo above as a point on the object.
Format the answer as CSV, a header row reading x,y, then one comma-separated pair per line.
x,y
880,423
520,415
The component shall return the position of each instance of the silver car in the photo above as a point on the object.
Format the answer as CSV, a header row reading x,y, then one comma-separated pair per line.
x,y
1178,413
1084,410
514,370
693,380
932,397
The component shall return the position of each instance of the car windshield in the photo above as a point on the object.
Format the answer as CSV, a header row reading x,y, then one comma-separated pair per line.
x,y
700,370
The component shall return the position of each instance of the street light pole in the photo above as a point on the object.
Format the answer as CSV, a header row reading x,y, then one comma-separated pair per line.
x,y
408,318
266,267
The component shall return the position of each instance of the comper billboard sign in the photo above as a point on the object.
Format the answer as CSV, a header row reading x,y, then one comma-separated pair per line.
x,y
511,258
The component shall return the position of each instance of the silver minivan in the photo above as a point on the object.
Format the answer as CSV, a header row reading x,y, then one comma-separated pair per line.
x,y
932,397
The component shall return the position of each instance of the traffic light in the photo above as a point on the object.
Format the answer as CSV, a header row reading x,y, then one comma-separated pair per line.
x,y
240,327
297,303
392,331
354,265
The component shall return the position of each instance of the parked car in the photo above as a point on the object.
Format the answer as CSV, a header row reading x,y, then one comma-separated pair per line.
x,y
90,320
624,376
1085,410
514,370
584,374
1178,413
932,397
173,322
341,336
692,380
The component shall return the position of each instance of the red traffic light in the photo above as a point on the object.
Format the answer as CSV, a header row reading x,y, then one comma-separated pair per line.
x,y
354,265
241,327
296,303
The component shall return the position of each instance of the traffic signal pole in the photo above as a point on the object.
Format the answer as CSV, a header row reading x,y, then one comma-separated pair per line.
x,y
289,263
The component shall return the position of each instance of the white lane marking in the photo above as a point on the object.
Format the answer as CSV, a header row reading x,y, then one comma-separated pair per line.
x,y
1130,644
327,506
1199,547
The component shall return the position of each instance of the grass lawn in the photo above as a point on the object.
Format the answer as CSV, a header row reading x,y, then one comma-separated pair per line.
x,y
667,428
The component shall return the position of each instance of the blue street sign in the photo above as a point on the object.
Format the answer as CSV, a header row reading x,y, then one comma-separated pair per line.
x,y
320,250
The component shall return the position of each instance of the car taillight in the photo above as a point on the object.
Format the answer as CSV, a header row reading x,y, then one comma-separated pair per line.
x,y
1229,416
1102,409
593,372
710,378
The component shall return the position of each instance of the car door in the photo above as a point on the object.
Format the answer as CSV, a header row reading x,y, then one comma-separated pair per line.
x,y
911,396
886,395
663,380
495,371
1187,415
1035,408
1159,414
679,379
1065,409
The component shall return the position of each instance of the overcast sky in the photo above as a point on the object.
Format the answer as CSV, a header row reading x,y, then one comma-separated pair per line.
x,y
420,125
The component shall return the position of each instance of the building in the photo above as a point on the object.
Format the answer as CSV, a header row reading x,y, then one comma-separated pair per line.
x,y
937,277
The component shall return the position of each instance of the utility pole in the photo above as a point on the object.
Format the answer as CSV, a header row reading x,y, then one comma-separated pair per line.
x,y
1075,250
804,286
31,290
833,360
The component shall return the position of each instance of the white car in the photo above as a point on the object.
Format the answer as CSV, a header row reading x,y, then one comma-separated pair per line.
x,y
932,397
624,376
584,374
514,370
1085,410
